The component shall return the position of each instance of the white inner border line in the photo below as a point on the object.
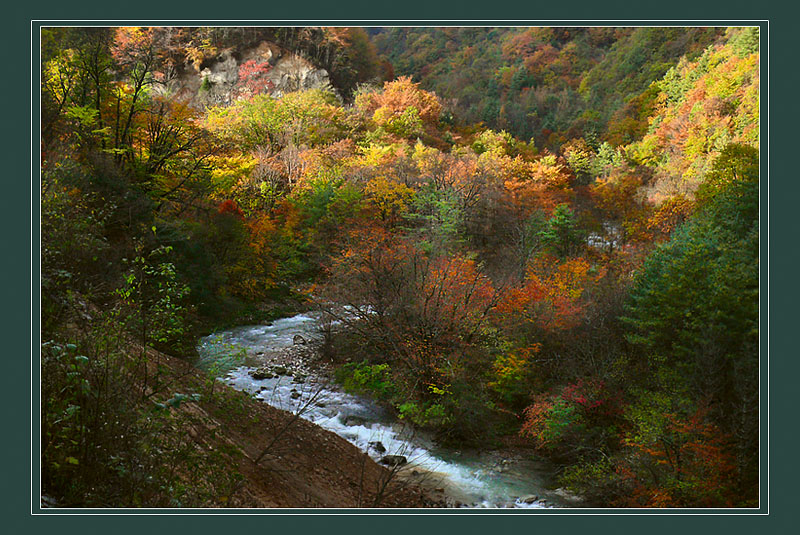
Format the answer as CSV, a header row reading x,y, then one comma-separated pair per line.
x,y
292,511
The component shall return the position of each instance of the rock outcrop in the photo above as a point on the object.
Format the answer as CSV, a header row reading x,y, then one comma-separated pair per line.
x,y
394,460
270,69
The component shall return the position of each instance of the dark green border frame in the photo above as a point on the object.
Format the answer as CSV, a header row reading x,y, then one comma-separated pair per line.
x,y
18,491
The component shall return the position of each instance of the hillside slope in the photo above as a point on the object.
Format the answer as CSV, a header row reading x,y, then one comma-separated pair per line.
x,y
226,449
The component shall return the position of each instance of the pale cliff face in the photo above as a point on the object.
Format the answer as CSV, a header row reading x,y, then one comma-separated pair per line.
x,y
293,73
276,72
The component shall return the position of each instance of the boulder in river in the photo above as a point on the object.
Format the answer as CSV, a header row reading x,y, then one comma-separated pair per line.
x,y
378,446
260,374
298,340
394,460
352,420
529,499
280,370
295,395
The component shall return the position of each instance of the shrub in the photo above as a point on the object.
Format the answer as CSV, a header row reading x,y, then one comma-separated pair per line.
x,y
107,443
365,378
205,85
425,414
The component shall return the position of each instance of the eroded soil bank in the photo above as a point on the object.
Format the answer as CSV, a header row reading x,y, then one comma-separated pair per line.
x,y
299,464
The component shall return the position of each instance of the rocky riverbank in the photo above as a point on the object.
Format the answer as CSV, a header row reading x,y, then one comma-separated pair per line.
x,y
283,368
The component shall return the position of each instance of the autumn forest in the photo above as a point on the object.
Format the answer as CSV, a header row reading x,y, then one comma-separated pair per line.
x,y
538,242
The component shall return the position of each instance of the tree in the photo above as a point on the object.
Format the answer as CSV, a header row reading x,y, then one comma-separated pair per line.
x,y
134,51
711,337
561,234
390,197
252,75
396,287
394,104
302,118
541,184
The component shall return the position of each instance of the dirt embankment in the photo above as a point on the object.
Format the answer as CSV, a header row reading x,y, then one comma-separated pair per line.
x,y
299,464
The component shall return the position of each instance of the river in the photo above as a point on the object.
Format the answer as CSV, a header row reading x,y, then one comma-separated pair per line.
x,y
474,479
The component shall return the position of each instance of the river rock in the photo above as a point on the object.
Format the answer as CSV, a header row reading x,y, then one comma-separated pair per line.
x,y
299,340
529,499
295,395
399,427
378,446
570,496
280,370
394,460
260,374
352,420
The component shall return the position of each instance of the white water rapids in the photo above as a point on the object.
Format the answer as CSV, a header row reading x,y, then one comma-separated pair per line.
x,y
473,479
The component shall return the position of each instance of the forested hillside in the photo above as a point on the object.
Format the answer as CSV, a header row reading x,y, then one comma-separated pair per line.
x,y
545,84
545,238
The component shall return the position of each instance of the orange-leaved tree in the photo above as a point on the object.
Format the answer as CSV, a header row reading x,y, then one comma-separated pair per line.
x,y
417,306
